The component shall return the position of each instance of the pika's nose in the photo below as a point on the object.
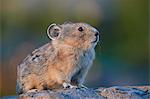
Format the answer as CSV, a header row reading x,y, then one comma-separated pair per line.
x,y
97,33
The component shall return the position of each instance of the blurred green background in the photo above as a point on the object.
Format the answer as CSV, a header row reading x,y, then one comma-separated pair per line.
x,y
121,55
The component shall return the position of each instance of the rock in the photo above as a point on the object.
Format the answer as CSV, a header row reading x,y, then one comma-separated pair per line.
x,y
116,92
128,92
63,94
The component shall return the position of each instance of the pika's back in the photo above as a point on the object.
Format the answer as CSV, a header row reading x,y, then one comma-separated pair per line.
x,y
36,61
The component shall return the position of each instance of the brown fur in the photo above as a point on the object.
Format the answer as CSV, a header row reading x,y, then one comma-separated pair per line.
x,y
65,59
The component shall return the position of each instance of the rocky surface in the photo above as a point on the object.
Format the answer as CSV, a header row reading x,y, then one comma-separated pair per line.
x,y
116,92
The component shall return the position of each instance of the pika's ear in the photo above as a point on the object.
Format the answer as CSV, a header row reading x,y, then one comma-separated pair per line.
x,y
53,31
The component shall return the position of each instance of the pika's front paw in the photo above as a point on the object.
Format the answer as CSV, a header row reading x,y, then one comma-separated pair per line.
x,y
32,90
68,85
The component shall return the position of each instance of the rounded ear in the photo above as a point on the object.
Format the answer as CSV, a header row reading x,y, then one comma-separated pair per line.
x,y
53,31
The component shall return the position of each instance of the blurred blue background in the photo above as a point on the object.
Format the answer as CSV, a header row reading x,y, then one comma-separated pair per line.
x,y
121,55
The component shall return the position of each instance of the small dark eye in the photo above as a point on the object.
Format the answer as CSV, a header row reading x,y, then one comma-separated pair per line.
x,y
80,29
56,29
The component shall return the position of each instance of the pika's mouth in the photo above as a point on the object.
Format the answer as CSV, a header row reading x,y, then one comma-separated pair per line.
x,y
96,39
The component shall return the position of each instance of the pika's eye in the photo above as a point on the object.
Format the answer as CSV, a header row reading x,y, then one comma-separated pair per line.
x,y
80,29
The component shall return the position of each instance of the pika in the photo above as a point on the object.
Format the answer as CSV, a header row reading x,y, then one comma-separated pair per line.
x,y
61,63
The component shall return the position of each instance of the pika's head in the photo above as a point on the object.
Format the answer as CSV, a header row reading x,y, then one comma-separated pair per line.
x,y
78,35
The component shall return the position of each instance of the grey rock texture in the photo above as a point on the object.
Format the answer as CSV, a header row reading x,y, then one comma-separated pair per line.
x,y
116,92
128,92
